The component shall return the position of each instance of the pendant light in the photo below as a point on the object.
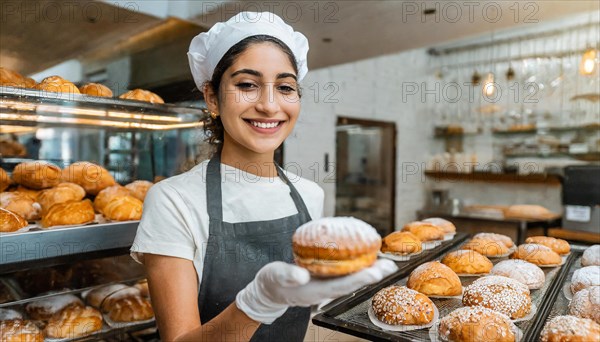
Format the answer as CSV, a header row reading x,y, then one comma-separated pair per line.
x,y
587,66
489,85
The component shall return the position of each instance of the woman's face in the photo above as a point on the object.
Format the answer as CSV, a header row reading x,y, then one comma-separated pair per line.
x,y
259,102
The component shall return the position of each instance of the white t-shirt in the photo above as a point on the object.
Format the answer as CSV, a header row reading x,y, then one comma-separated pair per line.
x,y
175,218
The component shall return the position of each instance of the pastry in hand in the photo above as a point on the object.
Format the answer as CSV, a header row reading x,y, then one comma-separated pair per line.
x,y
570,329
37,174
560,246
466,261
142,95
501,294
522,271
64,192
399,305
591,256
130,309
585,277
92,177
139,188
10,222
20,204
537,254
434,279
507,241
69,213
401,243
424,231
4,180
106,195
18,330
74,321
45,308
586,303
476,324
96,89
489,248
124,208
57,84
446,225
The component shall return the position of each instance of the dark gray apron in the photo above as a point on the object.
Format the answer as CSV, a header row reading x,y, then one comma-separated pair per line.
x,y
236,251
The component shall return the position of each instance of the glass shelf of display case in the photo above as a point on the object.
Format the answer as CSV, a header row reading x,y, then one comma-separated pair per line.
x,y
590,156
593,127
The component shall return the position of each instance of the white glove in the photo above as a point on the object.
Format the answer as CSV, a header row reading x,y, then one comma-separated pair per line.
x,y
279,285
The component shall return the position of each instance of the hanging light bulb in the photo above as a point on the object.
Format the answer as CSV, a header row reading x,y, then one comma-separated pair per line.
x,y
588,62
489,86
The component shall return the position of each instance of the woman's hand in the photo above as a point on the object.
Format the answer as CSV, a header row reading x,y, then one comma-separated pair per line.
x,y
279,285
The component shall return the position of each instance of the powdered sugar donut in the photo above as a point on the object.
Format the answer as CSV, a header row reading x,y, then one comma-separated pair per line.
x,y
521,271
585,277
586,303
591,256
570,328
501,294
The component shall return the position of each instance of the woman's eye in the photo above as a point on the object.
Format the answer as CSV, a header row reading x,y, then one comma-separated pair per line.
x,y
245,85
286,89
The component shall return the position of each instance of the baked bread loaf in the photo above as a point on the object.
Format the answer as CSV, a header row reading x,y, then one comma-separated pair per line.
x,y
12,148
424,231
21,205
142,285
74,321
560,246
37,174
124,208
139,188
64,192
8,314
591,256
401,243
488,248
586,303
142,95
584,278
507,241
57,84
104,297
45,308
446,225
4,180
92,177
570,329
106,195
537,254
131,309
528,211
10,222
398,305
77,212
96,89
522,271
476,324
18,330
335,246
467,262
501,294
434,279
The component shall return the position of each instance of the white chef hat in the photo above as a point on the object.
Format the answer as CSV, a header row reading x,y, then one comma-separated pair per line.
x,y
207,48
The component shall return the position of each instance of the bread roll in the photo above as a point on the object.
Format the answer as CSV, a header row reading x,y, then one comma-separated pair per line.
x,y
30,82
57,84
401,243
45,308
586,304
4,180
489,248
585,277
537,254
106,195
74,321
69,213
68,192
20,204
446,225
501,294
103,298
558,245
139,188
37,174
521,271
434,279
96,89
18,330
398,305
12,148
424,231
476,324
507,241
131,309
124,208
570,329
591,256
10,222
527,211
142,95
92,177
467,262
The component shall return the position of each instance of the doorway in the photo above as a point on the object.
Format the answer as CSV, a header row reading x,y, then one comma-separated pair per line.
x,y
366,172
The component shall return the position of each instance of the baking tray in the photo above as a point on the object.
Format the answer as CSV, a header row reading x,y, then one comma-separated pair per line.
x,y
350,316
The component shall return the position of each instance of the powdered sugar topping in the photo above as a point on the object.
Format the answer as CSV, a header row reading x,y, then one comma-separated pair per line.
x,y
591,256
330,229
521,271
586,276
502,294
54,304
567,326
395,304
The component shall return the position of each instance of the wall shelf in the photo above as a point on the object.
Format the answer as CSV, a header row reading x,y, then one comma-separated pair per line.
x,y
494,177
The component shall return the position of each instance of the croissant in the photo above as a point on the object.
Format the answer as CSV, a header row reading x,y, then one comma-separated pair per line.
x,y
142,95
96,89
37,174
139,188
29,192
4,180
108,194
10,222
124,208
20,204
67,213
92,177
57,84
68,192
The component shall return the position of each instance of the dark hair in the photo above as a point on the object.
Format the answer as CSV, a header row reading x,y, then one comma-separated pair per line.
x,y
213,128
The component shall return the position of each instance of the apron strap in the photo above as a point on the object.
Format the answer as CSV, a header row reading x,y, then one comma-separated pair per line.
x,y
300,205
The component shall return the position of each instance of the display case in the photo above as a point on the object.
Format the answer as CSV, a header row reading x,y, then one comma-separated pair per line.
x,y
65,265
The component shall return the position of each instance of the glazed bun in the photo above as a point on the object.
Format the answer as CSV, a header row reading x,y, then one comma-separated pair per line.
x,y
4,180
586,303
585,277
561,329
528,211
507,241
74,321
522,271
64,192
108,194
21,204
446,225
142,95
57,84
125,208
401,243
10,222
476,324
501,294
139,188
18,330
92,177
424,231
398,305
434,279
591,256
45,308
488,248
335,246
537,254
558,245
467,262
69,213
37,174
96,89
